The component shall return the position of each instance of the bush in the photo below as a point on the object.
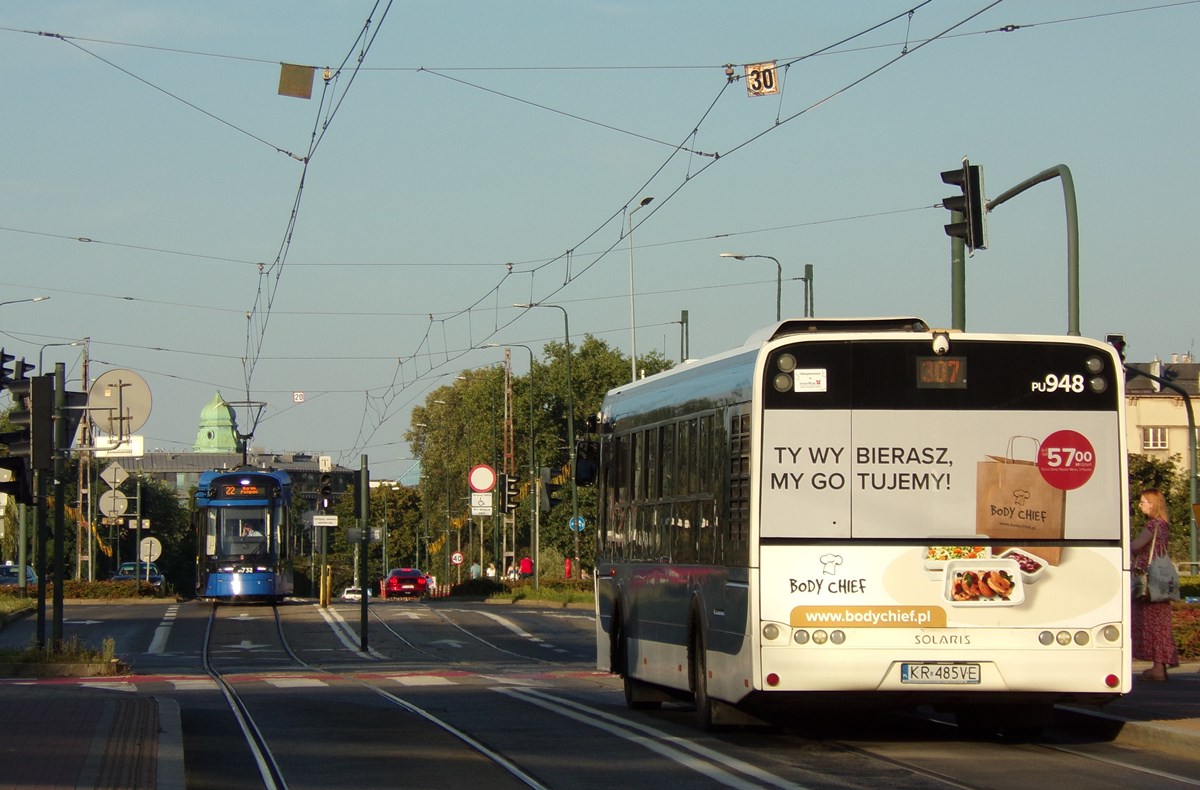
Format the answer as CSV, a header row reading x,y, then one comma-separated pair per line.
x,y
477,587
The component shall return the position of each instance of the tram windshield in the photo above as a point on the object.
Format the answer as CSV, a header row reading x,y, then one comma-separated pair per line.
x,y
238,531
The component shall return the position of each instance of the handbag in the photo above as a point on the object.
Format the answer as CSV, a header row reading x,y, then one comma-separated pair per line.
x,y
1159,582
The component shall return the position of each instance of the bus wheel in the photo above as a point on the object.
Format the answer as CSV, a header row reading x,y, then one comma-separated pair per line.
x,y
699,671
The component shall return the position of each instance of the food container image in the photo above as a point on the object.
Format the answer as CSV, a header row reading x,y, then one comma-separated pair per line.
x,y
936,557
984,583
1031,565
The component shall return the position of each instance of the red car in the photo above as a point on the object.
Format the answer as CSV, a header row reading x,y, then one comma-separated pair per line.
x,y
406,582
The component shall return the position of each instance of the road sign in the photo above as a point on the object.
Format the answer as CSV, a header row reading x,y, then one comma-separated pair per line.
x,y
113,503
481,504
150,549
481,478
457,558
577,523
323,520
114,474
761,79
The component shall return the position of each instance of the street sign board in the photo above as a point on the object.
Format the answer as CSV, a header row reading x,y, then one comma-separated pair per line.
x,y
481,504
324,520
150,549
114,474
113,503
481,478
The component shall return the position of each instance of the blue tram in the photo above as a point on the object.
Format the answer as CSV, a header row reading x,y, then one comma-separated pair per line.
x,y
244,533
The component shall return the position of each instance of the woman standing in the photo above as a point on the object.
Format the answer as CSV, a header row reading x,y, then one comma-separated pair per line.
x,y
1151,622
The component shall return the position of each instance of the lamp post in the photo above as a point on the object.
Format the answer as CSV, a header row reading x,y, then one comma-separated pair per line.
x,y
42,350
778,278
31,299
570,422
533,492
446,435
632,313
809,310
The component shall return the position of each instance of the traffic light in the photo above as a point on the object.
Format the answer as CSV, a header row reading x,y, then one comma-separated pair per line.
x,y
5,373
1117,342
325,494
509,495
31,445
34,419
971,204
551,491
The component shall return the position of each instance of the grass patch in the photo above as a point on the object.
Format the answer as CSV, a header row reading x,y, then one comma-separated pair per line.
x,y
70,652
554,591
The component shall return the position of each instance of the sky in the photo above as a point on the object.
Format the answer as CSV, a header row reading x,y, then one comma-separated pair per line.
x,y
362,246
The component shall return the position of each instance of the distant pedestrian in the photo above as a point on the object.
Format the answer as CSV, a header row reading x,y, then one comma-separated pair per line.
x,y
526,567
1151,622
491,571
475,570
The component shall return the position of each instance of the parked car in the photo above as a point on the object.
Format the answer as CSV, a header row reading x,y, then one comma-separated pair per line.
x,y
11,574
135,571
406,582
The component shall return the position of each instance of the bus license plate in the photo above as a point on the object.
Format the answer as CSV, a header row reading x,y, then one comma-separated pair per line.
x,y
939,673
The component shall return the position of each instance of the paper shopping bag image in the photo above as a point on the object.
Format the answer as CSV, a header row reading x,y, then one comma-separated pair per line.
x,y
1013,500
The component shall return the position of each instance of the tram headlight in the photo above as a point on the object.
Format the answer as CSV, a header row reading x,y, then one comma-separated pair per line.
x,y
1063,637
786,363
783,382
1110,633
800,637
820,637
1046,638
1098,384
1094,364
1082,637
770,632
837,637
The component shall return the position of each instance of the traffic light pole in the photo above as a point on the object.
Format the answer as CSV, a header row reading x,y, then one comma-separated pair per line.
x,y
958,278
364,542
1064,174
60,471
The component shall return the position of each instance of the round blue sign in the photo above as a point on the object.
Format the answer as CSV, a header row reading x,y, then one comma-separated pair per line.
x,y
577,523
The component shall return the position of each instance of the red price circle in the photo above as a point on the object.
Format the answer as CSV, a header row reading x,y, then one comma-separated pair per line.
x,y
1066,460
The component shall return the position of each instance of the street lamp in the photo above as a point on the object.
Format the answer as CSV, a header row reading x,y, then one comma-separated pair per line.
x,y
533,499
632,314
18,301
446,434
570,420
42,350
809,310
778,278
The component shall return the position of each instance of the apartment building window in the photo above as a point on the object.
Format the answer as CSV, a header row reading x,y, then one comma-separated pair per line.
x,y
1154,437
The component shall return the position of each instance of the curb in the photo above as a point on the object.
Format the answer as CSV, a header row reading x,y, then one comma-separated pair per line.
x,y
1126,732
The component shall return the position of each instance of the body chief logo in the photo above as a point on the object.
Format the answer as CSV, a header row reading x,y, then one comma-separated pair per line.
x,y
822,586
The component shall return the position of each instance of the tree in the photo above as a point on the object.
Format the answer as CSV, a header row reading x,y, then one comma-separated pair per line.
x,y
459,425
1171,478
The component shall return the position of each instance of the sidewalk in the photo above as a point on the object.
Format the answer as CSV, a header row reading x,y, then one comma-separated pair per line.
x,y
65,736
1152,715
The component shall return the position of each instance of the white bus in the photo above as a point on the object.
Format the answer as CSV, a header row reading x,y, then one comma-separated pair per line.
x,y
868,512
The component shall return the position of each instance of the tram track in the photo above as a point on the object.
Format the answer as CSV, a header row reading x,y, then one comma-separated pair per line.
x,y
931,753
272,775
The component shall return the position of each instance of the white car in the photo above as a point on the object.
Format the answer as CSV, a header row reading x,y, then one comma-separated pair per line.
x,y
352,594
